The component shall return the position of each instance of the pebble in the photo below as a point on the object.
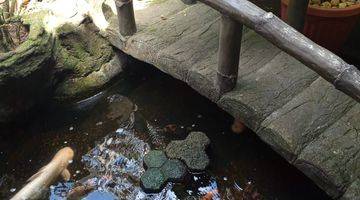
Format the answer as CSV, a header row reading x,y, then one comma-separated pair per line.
x,y
334,3
71,128
12,189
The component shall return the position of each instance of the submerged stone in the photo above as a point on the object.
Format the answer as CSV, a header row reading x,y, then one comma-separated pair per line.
x,y
155,159
153,180
174,170
191,151
161,170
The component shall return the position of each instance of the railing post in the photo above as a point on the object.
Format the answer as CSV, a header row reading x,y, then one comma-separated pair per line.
x,y
296,13
126,17
229,54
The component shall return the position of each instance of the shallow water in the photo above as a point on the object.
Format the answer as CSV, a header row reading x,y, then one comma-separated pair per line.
x,y
236,159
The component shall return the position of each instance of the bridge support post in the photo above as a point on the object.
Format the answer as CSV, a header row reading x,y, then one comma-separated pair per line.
x,y
296,13
126,17
229,54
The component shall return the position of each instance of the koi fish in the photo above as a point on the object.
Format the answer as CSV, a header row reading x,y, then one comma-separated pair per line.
x,y
40,181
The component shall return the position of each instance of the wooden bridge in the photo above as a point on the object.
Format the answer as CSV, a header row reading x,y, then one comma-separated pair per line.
x,y
275,89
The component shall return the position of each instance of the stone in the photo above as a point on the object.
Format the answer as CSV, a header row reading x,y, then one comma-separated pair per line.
x,y
161,170
155,159
353,192
174,170
86,58
153,180
191,151
25,74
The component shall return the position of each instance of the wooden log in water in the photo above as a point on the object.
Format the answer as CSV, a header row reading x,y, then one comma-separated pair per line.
x,y
297,13
229,53
331,67
126,17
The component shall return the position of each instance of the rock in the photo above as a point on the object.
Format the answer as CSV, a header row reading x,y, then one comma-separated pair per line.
x,y
160,171
353,192
342,5
335,2
87,60
155,159
174,170
153,180
120,109
191,151
25,73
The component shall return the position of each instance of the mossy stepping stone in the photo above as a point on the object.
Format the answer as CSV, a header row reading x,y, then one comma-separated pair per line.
x,y
160,170
191,151
155,159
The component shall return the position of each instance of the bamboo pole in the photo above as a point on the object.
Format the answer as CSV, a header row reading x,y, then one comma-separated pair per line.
x,y
229,53
126,17
331,67
297,13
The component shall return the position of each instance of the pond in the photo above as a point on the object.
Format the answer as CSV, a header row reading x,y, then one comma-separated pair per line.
x,y
237,161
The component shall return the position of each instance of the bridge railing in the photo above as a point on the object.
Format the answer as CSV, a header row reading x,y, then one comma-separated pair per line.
x,y
235,14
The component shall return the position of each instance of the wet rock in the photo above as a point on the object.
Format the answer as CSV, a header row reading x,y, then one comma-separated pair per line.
x,y
25,74
191,151
85,59
174,170
161,170
155,159
121,109
153,180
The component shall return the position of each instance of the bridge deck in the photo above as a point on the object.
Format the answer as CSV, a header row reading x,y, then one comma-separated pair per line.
x,y
306,120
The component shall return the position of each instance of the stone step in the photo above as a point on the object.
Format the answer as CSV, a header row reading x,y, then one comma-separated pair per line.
x,y
353,191
333,158
260,93
289,129
147,44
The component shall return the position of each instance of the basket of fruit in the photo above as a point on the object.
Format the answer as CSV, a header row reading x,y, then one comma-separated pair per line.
x,y
328,22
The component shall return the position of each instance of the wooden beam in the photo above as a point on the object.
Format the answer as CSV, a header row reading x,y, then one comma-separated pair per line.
x,y
126,17
229,53
297,13
331,67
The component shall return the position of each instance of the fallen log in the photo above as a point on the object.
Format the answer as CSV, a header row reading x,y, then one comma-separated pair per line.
x,y
40,181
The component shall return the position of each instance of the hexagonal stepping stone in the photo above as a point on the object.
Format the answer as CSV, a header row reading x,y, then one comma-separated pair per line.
x,y
160,170
155,159
174,170
191,151
153,180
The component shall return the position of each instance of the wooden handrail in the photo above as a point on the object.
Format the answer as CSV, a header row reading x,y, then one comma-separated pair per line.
x,y
342,75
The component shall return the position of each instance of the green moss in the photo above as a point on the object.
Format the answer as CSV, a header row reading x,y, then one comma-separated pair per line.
x,y
81,49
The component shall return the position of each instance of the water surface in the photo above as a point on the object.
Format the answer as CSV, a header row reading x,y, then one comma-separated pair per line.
x,y
237,160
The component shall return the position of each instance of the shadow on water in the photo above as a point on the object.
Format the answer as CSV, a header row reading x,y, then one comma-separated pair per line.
x,y
236,159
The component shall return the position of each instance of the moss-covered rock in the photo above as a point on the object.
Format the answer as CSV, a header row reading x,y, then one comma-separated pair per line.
x,y
25,74
191,151
87,59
